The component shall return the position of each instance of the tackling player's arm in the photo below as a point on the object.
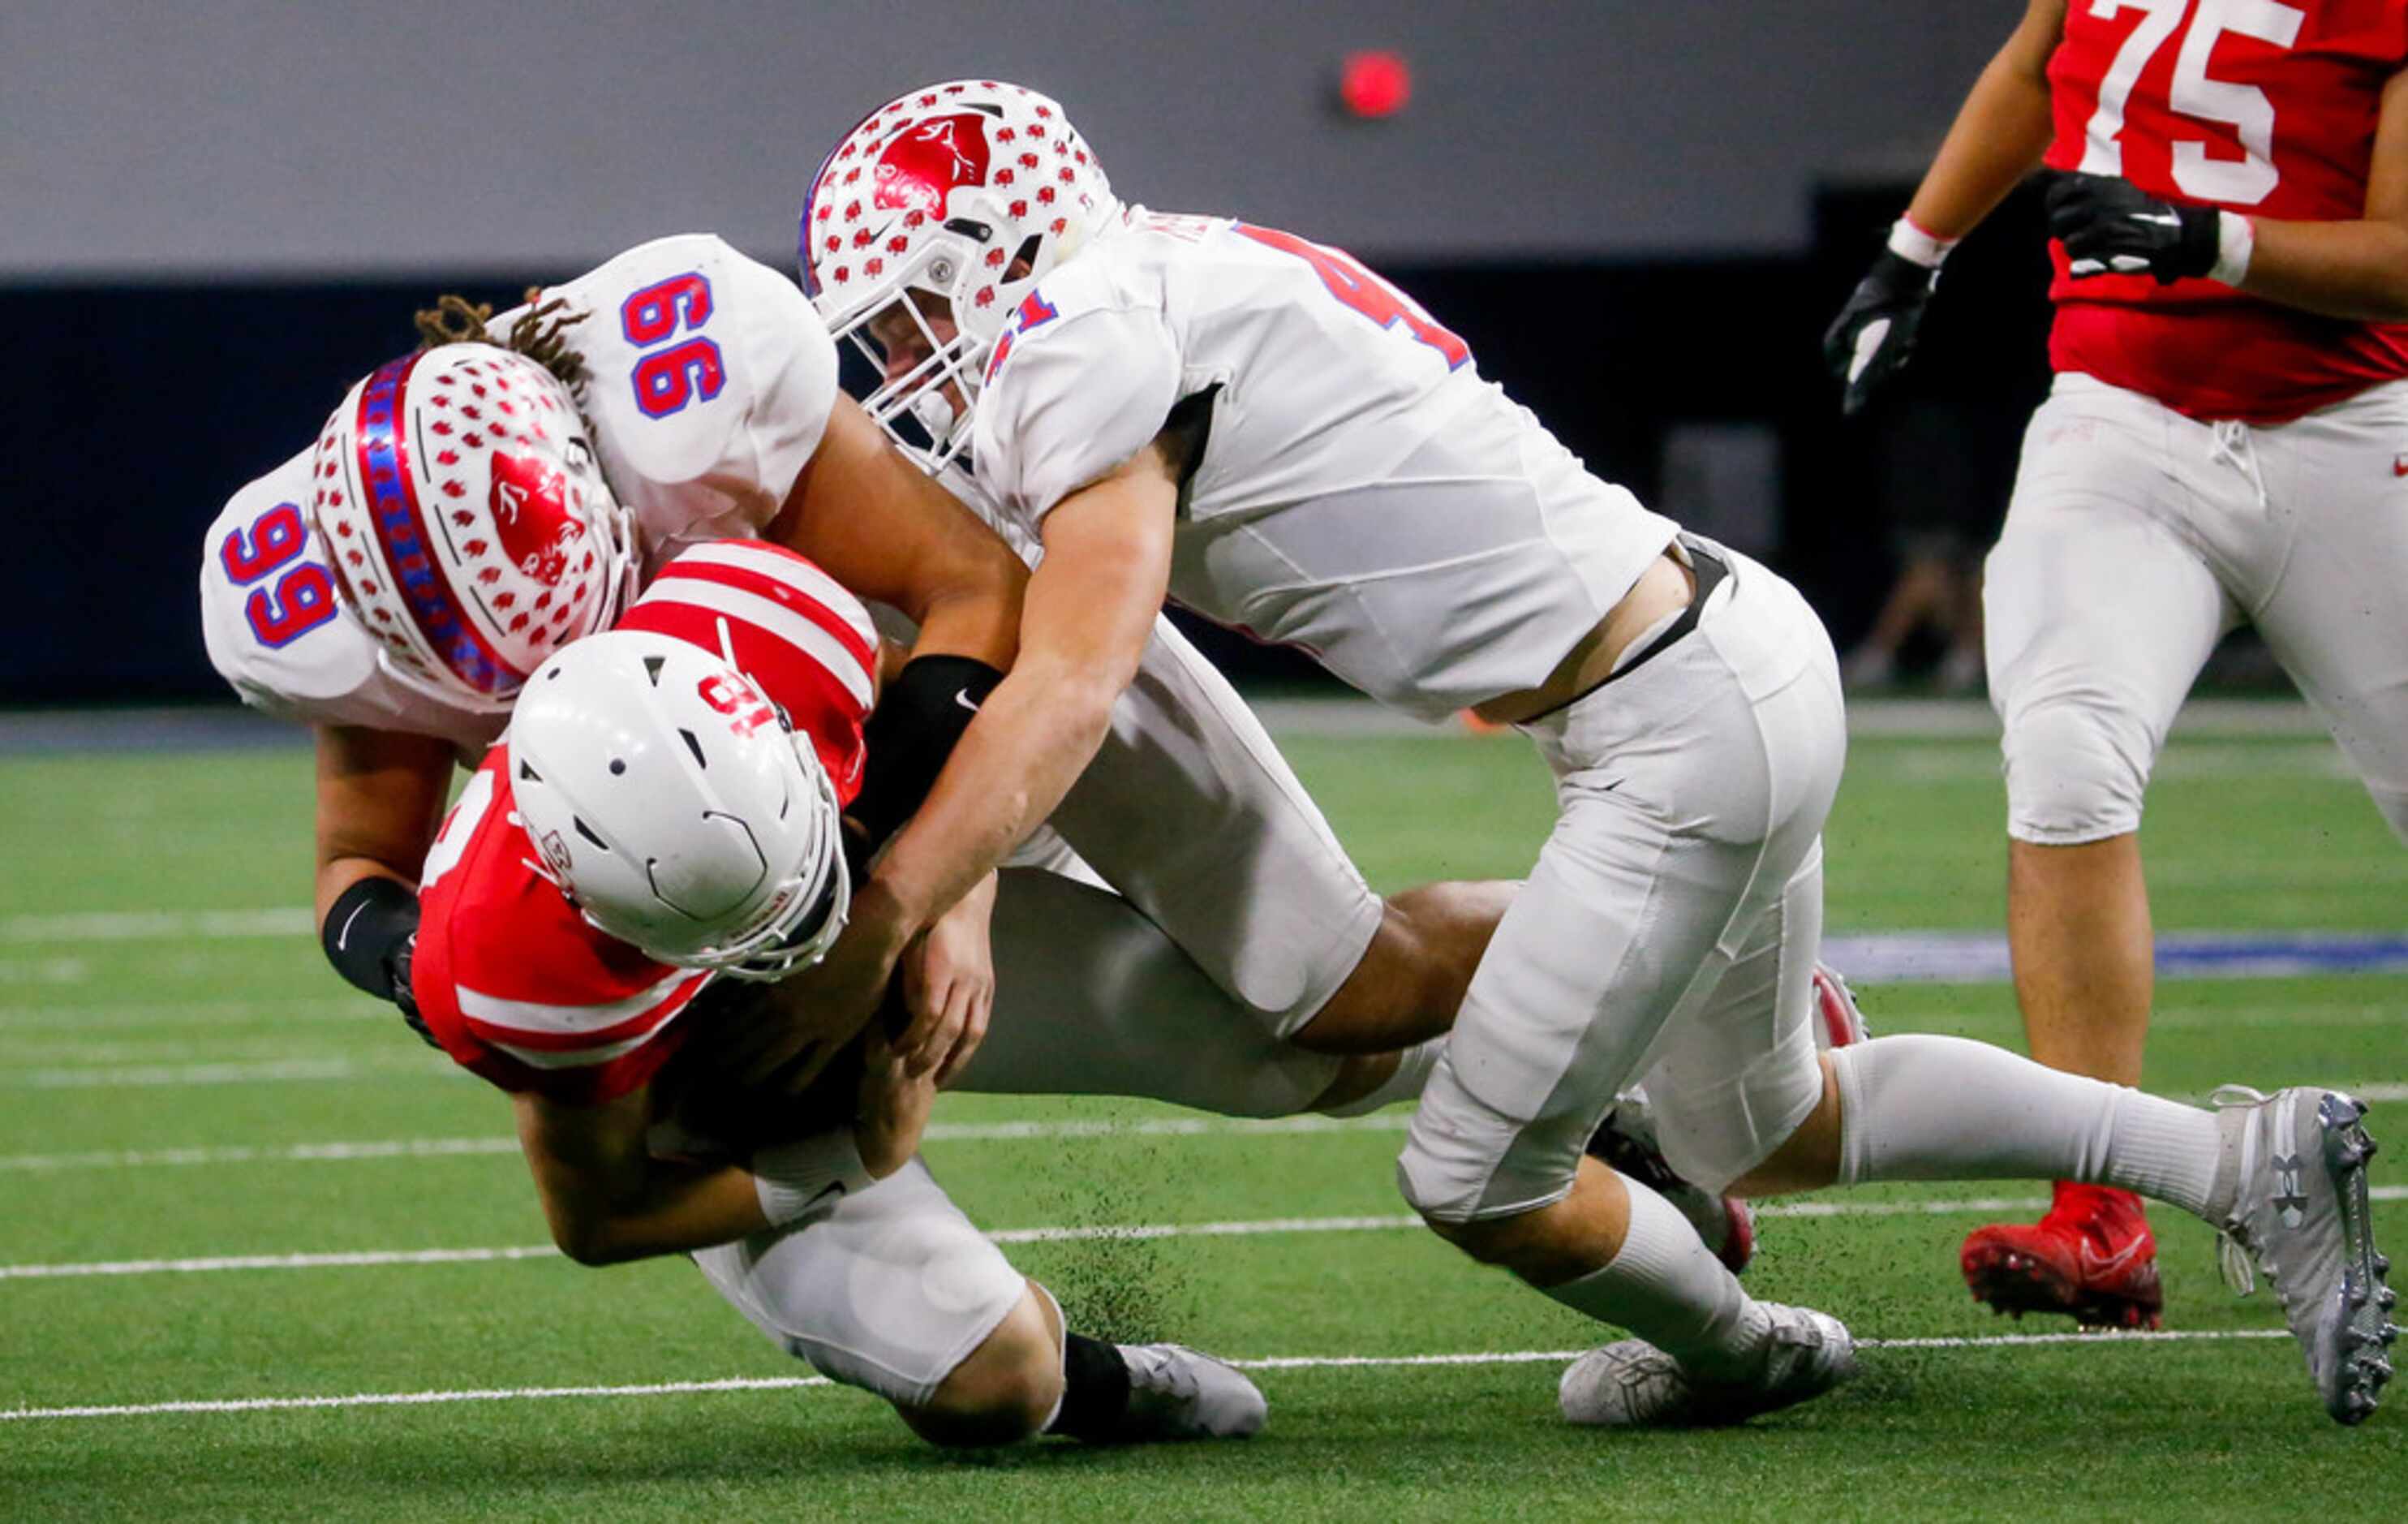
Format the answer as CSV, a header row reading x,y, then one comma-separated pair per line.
x,y
885,530
380,797
1090,609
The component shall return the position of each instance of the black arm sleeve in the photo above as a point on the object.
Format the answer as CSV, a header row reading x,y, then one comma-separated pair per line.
x,y
920,715
369,935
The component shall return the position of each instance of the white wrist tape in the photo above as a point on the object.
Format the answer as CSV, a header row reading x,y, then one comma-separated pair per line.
x,y
2236,239
1911,243
796,1179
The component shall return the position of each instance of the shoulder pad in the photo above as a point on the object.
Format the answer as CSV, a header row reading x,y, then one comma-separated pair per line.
x,y
1079,381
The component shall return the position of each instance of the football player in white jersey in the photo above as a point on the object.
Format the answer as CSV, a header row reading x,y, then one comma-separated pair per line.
x,y
1265,431
471,508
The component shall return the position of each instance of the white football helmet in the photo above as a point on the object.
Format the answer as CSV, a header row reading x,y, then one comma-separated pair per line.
x,y
938,192
677,807
467,522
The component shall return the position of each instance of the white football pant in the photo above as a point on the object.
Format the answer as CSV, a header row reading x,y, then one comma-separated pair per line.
x,y
2137,538
1670,929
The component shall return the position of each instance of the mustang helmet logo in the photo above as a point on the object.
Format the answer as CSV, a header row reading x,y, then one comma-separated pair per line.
x,y
927,164
531,507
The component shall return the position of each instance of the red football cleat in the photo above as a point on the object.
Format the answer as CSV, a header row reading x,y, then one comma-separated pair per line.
x,y
2092,1258
1625,1143
1838,1023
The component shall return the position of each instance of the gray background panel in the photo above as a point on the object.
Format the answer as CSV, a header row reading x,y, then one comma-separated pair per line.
x,y
156,139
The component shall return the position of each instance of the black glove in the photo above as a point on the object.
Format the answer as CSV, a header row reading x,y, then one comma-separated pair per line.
x,y
397,963
2111,227
1873,337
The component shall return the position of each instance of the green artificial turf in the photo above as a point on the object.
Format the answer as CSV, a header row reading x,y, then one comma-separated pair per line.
x,y
172,1097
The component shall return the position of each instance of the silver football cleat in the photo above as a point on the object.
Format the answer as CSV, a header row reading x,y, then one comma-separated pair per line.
x,y
2294,1170
1634,1384
1176,1392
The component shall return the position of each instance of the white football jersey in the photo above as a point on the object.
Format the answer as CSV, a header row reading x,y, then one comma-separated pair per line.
x,y
276,631
709,383
1362,493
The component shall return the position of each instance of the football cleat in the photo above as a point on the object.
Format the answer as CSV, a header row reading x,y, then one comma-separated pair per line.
x,y
2092,1258
1176,1392
1625,1143
1634,1384
2293,1171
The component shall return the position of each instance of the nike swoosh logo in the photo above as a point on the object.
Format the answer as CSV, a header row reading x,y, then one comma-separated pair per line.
x,y
2160,217
343,938
962,697
1869,343
2095,1264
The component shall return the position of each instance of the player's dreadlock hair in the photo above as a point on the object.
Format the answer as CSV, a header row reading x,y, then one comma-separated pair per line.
x,y
541,332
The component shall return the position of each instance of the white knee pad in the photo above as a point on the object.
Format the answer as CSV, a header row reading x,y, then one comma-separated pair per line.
x,y
888,1292
2077,764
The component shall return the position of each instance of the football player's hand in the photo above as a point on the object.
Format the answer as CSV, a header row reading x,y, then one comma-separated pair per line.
x,y
1873,337
894,1105
787,1038
949,988
815,1013
2111,227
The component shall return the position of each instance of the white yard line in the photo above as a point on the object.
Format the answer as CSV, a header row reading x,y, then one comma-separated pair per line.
x,y
62,1017
136,926
272,1071
146,1158
322,1153
1266,1362
347,1261
358,1258
1158,1126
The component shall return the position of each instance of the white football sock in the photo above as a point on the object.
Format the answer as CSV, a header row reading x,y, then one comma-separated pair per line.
x,y
1667,1287
1943,1108
1414,1068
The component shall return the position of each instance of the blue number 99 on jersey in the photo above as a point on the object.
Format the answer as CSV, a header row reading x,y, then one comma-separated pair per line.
x,y
299,600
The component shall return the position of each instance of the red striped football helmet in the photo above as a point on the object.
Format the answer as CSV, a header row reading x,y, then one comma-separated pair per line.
x,y
467,522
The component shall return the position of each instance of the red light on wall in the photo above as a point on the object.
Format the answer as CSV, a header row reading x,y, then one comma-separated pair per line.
x,y
1374,84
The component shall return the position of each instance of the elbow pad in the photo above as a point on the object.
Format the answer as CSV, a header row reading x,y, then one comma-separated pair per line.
x,y
369,935
918,720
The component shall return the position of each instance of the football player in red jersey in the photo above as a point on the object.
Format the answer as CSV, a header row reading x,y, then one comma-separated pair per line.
x,y
2223,445
662,816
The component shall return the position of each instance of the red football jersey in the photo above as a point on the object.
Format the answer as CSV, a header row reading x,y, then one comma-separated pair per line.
x,y
517,985
2255,105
